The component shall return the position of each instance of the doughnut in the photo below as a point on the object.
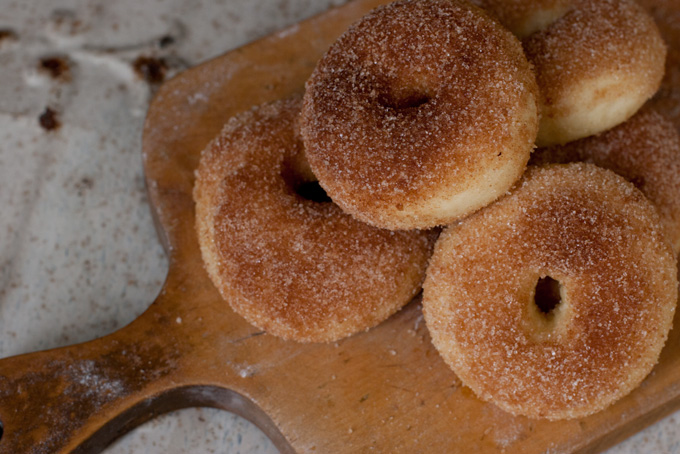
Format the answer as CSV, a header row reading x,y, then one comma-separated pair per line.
x,y
667,16
596,61
645,150
556,300
293,264
419,114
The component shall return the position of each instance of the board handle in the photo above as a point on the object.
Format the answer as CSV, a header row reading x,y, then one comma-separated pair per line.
x,y
79,398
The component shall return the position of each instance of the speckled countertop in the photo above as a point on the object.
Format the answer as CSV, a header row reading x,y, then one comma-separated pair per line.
x,y
79,256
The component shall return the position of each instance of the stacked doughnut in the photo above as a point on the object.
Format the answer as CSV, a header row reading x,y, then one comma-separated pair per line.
x,y
596,61
409,129
552,287
291,263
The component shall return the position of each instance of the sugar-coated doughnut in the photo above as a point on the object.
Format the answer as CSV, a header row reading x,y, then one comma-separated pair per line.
x,y
645,150
667,99
297,268
421,113
554,301
596,61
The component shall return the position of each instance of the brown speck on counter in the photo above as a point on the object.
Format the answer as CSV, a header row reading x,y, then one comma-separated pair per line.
x,y
151,69
84,184
166,41
57,67
48,119
7,35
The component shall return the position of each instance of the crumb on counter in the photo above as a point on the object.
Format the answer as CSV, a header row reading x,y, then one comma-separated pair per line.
x,y
150,69
57,67
49,119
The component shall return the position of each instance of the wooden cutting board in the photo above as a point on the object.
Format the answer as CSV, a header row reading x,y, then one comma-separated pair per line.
x,y
384,391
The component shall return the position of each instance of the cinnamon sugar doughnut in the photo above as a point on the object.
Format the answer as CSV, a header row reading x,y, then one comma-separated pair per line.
x,y
666,14
296,268
422,112
587,242
645,150
596,61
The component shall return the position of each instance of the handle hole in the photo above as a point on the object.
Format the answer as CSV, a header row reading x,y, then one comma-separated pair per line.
x,y
1,430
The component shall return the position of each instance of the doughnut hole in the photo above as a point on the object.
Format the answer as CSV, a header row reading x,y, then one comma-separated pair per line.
x,y
406,97
312,190
547,295
548,310
301,181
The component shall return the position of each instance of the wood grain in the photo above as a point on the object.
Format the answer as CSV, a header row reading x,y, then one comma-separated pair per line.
x,y
386,390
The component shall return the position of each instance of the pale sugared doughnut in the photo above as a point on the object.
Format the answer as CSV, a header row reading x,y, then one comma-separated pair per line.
x,y
596,61
645,150
591,246
296,268
421,113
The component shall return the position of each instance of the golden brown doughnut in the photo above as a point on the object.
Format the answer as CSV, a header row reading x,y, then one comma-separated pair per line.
x,y
422,112
596,61
296,268
645,150
667,16
591,246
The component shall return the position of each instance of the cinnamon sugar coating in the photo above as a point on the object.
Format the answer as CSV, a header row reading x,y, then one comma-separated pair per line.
x,y
296,268
667,17
645,150
421,113
601,240
596,61
525,17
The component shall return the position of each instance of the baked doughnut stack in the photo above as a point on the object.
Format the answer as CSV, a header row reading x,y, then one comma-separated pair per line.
x,y
552,287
